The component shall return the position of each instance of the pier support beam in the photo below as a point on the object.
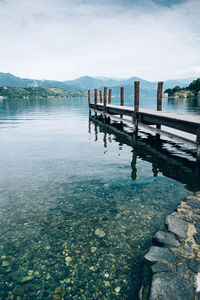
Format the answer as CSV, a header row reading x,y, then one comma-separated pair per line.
x,y
89,102
159,102
95,101
105,102
109,96
121,100
100,95
136,106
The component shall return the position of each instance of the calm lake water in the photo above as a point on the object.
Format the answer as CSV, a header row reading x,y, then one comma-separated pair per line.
x,y
79,202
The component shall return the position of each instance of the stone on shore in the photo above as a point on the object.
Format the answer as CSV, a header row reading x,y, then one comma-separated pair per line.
x,y
166,239
159,267
177,226
159,254
193,265
170,286
193,203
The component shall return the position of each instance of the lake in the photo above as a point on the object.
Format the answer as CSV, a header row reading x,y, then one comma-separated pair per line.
x,y
79,201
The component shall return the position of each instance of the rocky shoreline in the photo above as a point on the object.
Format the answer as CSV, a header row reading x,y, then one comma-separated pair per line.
x,y
174,259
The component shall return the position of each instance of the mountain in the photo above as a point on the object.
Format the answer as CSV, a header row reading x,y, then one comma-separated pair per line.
x,y
7,79
88,82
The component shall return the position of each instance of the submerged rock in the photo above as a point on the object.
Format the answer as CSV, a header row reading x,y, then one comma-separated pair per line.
x,y
5,263
27,278
19,290
99,232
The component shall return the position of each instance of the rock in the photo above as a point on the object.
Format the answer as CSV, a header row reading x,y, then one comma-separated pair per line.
x,y
19,290
193,265
196,217
159,267
177,226
160,254
30,272
166,239
197,238
197,226
107,283
27,278
117,289
5,263
99,232
68,260
181,269
93,249
193,203
170,286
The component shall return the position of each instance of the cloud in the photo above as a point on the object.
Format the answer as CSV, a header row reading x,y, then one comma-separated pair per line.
x,y
65,39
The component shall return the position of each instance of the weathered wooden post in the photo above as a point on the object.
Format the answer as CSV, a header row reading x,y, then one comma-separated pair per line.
x,y
105,99
136,105
159,102
121,99
88,97
159,96
109,96
122,96
100,95
89,102
95,100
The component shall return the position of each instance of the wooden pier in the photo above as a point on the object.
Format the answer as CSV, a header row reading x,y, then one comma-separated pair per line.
x,y
146,118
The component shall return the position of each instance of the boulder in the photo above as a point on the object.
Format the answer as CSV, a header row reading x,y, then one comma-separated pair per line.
x,y
169,286
177,226
166,239
160,254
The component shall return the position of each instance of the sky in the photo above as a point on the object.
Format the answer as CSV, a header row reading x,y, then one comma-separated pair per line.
x,y
66,39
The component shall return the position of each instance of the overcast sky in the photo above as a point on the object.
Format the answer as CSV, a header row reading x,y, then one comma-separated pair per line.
x,y
65,39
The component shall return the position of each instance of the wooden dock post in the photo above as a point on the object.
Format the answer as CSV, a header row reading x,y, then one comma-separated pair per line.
x,y
159,102
95,100
109,96
89,102
105,99
136,105
159,96
122,96
100,95
121,99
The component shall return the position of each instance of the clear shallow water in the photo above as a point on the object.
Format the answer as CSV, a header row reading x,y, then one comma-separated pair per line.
x,y
62,178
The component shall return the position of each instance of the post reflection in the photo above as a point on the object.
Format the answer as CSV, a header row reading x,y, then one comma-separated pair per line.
x,y
152,150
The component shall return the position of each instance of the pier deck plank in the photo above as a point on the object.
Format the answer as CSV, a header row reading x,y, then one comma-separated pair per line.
x,y
187,123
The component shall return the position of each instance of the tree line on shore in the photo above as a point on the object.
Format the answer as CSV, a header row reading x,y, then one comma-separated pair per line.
x,y
193,88
37,92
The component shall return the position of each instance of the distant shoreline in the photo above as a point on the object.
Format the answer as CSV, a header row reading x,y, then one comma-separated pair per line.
x,y
38,92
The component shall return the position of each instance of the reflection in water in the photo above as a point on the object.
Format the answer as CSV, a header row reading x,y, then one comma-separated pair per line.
x,y
157,151
61,186
183,105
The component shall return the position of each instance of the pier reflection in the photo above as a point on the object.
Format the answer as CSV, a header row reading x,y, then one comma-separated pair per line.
x,y
167,157
183,105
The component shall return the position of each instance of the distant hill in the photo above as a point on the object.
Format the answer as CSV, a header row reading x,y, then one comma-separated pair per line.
x,y
87,82
7,79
